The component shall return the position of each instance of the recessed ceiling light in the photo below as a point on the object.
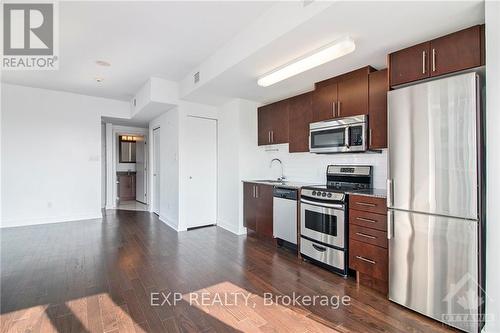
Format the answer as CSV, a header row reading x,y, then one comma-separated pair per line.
x,y
318,57
98,79
102,63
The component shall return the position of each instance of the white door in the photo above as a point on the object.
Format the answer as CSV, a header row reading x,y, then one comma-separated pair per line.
x,y
140,166
201,166
156,171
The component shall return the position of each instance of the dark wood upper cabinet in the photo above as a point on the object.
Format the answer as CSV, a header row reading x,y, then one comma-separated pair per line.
x,y
324,102
457,51
353,96
377,115
410,64
300,116
273,123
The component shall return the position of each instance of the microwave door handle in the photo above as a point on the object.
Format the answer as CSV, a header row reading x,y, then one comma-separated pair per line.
x,y
347,129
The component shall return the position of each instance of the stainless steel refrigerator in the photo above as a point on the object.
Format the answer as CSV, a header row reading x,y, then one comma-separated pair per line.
x,y
434,199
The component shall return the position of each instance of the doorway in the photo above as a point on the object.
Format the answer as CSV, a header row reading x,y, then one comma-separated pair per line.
x,y
156,171
201,167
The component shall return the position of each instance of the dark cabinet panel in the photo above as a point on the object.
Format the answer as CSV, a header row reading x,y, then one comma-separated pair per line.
x,y
377,109
324,102
273,123
409,64
352,96
457,51
126,186
265,210
258,208
249,206
300,116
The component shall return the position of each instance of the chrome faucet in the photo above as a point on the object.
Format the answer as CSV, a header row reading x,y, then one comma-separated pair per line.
x,y
282,178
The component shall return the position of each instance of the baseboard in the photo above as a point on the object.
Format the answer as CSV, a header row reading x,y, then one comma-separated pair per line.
x,y
231,228
49,220
168,222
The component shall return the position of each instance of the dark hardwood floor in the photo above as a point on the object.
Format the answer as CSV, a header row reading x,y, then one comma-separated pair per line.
x,y
97,276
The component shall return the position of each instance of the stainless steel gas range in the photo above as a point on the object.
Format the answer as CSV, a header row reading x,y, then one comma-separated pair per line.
x,y
323,216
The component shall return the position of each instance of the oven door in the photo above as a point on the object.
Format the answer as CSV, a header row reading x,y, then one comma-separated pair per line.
x,y
323,222
328,140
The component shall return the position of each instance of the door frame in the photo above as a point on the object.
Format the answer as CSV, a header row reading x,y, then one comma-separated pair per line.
x,y
153,158
112,141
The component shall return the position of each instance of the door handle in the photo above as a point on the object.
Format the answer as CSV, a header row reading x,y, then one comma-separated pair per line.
x,y
334,110
338,108
319,248
423,62
365,235
370,137
253,191
433,60
272,136
389,192
269,137
365,220
390,218
365,204
256,191
366,260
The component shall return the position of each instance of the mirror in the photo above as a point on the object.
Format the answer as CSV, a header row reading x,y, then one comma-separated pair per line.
x,y
127,149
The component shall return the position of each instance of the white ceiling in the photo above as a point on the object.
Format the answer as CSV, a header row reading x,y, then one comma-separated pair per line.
x,y
139,39
377,28
171,39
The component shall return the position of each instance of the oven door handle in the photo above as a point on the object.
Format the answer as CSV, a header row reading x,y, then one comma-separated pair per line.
x,y
321,204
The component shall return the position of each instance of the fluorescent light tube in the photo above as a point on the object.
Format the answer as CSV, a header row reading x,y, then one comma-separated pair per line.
x,y
319,57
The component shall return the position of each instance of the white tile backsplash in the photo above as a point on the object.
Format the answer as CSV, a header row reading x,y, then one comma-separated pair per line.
x,y
309,167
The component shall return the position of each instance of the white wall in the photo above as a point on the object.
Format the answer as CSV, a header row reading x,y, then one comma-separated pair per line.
x,y
51,154
169,166
241,159
493,163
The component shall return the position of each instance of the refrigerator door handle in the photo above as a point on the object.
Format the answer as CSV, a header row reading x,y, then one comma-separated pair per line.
x,y
390,222
389,192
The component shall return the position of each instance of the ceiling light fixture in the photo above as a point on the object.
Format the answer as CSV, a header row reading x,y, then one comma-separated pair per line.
x,y
99,79
102,63
327,53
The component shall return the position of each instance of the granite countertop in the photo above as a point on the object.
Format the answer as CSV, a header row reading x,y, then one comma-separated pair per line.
x,y
370,192
285,184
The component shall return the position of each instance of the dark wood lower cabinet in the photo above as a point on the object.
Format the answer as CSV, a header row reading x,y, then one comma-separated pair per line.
x,y
126,186
258,209
368,244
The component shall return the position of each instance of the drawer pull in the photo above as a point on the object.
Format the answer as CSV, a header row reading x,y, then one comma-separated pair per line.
x,y
365,235
365,220
365,204
366,260
319,248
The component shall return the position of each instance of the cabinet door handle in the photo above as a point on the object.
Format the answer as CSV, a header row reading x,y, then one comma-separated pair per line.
x,y
268,136
365,220
370,138
365,204
423,62
334,109
253,191
365,235
433,60
338,108
272,136
256,191
366,260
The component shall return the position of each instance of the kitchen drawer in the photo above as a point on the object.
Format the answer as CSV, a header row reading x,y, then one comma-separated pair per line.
x,y
367,219
368,204
367,235
324,254
368,259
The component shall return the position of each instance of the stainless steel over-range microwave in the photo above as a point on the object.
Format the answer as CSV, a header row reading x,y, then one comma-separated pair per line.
x,y
341,135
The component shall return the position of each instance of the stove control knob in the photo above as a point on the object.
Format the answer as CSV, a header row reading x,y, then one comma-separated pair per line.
x,y
323,194
314,193
329,195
